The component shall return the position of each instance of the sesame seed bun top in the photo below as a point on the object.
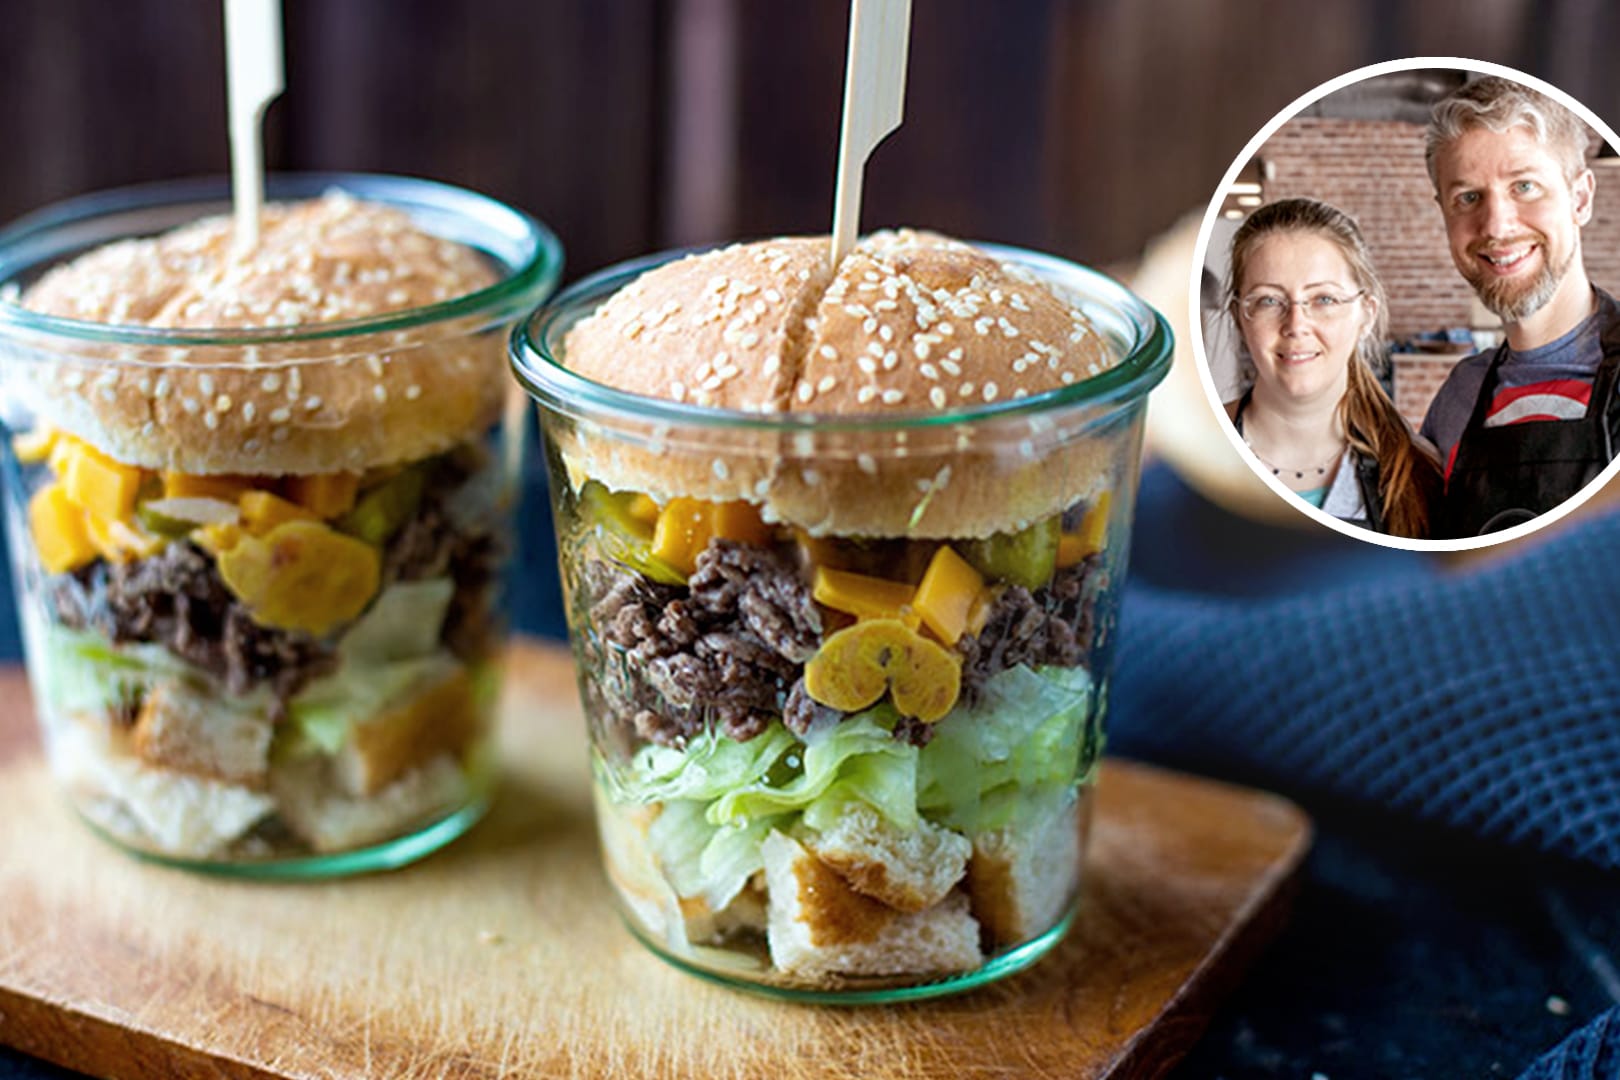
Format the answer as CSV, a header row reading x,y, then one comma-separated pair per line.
x,y
910,324
275,404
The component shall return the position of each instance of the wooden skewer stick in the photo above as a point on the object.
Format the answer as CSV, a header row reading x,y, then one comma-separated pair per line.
x,y
254,78
874,104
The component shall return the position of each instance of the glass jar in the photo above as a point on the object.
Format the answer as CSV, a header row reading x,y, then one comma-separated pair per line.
x,y
283,671
764,821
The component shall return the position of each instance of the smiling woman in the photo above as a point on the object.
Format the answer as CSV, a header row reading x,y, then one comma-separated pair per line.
x,y
1311,314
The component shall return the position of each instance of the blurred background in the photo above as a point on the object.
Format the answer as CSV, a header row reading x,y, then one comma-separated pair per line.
x,y
1099,130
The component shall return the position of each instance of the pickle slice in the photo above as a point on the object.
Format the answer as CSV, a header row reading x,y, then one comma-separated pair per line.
x,y
624,535
1027,557
176,517
384,510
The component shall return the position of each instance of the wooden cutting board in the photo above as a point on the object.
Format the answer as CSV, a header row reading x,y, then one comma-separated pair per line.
x,y
503,954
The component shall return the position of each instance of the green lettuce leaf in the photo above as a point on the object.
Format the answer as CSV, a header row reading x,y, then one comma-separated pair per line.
x,y
986,767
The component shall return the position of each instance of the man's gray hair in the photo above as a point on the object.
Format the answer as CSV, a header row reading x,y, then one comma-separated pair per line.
x,y
1500,105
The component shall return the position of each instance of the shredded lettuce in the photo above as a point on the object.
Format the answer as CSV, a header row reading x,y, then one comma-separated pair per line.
x,y
324,712
403,623
82,671
985,768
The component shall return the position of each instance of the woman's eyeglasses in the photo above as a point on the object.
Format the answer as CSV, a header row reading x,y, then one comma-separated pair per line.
x,y
1270,309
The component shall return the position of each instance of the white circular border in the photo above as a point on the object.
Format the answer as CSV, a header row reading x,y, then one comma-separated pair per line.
x,y
1196,329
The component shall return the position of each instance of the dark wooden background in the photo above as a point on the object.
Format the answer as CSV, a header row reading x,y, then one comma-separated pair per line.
x,y
1080,126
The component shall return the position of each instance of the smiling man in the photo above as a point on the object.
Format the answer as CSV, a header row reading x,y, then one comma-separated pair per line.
x,y
1524,427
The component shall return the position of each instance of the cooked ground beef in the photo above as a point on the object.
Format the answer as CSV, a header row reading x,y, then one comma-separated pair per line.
x,y
1050,626
177,599
726,649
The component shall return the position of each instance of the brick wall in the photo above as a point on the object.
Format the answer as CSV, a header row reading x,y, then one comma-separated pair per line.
x,y
1374,170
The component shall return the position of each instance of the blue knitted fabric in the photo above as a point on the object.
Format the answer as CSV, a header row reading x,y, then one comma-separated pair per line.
x,y
1592,1053
1485,700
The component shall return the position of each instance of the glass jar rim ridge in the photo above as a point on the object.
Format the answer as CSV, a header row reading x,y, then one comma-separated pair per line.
x,y
1132,327
528,253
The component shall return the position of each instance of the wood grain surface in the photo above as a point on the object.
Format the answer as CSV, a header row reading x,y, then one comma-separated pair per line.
x,y
503,955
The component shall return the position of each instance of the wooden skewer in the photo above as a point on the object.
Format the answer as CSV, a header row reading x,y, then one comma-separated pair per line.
x,y
254,78
874,104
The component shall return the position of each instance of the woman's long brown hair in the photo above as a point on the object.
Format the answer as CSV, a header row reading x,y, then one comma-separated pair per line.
x,y
1408,479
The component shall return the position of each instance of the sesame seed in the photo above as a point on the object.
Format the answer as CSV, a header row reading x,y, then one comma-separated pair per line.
x,y
412,392
223,403
190,405
1020,393
966,389
804,444
279,416
946,329
145,384
712,383
806,392
249,410
893,396
748,340
867,364
875,348
827,383
773,296
772,364
312,403
811,477
936,396
379,392
921,349
929,371
206,382
160,390
891,360
721,470
108,395
990,391
870,325
1026,448
1007,328
1067,377
956,353
279,435
982,326
865,394
951,367
867,464
885,333
375,365
295,382
251,446
210,421
270,383
1017,303
829,352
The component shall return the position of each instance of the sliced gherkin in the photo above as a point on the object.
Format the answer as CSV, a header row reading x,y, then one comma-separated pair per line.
x,y
1027,557
624,537
384,510
176,517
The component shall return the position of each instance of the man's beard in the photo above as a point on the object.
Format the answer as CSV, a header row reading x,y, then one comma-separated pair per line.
x,y
1514,301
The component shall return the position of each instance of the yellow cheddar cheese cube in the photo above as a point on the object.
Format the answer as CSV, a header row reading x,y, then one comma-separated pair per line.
x,y
225,488
863,596
326,494
95,482
684,529
946,594
740,520
59,531
1075,546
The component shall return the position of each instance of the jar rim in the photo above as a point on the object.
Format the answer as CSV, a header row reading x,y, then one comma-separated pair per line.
x,y
523,246
1143,333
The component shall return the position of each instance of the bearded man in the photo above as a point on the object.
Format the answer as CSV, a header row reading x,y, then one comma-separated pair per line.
x,y
1522,428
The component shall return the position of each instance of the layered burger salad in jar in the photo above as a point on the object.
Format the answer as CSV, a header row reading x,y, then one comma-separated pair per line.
x,y
841,547
259,509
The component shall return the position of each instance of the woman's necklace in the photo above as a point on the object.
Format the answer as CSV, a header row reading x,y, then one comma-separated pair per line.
x,y
1299,474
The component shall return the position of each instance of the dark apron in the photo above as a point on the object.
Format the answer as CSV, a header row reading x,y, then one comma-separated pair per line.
x,y
1505,476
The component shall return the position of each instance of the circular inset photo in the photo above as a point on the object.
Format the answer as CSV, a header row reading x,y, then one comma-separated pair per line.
x,y
1407,315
